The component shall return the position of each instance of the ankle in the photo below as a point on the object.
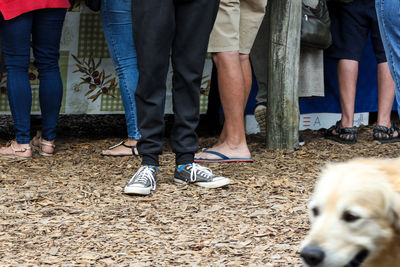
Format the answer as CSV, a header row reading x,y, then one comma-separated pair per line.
x,y
46,141
384,123
346,125
236,145
131,142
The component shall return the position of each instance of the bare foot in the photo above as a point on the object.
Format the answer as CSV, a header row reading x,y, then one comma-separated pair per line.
x,y
122,149
232,152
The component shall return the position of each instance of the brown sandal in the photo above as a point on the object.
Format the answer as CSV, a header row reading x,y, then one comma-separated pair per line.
x,y
15,152
42,143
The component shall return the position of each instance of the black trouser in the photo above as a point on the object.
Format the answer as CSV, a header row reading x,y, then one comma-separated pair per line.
x,y
181,29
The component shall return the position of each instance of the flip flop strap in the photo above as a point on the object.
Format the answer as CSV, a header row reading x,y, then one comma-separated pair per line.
x,y
121,144
134,152
216,153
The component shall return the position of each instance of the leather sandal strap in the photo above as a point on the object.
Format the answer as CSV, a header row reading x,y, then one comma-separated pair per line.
x,y
46,143
22,149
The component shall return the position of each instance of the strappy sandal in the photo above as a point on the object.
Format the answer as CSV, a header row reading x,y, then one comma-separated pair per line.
x,y
133,148
42,143
346,135
385,134
15,153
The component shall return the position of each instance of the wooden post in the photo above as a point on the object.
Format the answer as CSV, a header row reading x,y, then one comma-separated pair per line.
x,y
283,74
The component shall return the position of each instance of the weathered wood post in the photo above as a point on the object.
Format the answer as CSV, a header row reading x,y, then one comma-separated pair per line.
x,y
283,74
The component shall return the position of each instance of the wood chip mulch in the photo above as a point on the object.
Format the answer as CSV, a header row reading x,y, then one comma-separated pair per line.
x,y
69,209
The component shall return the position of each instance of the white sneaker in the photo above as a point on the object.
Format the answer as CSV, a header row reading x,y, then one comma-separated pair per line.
x,y
143,181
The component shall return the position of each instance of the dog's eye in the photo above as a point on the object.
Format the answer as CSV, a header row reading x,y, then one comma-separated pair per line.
x,y
348,217
315,211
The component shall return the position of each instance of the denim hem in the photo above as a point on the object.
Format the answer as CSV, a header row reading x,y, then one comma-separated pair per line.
x,y
135,138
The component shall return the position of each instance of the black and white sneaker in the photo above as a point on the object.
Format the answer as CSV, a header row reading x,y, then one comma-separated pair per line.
x,y
143,181
301,141
198,175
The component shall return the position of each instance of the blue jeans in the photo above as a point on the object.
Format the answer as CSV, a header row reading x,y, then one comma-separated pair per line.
x,y
388,12
45,27
116,17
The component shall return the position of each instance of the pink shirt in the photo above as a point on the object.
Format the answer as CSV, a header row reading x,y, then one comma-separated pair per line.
x,y
13,8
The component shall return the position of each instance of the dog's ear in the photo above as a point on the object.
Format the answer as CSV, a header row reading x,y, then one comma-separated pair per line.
x,y
394,212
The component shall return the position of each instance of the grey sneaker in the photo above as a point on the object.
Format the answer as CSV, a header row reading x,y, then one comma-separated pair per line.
x,y
260,114
198,175
142,182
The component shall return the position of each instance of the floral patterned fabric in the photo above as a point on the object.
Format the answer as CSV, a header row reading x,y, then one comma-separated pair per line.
x,y
89,78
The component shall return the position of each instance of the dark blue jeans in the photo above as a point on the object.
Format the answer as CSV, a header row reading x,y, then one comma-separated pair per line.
x,y
45,26
116,16
389,22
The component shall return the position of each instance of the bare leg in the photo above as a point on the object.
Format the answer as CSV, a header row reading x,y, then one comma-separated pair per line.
x,y
247,78
234,80
347,73
386,94
247,75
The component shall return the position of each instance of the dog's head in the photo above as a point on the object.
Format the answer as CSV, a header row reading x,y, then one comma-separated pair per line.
x,y
353,214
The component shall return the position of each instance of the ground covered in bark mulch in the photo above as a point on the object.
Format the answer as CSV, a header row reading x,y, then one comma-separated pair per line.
x,y
70,210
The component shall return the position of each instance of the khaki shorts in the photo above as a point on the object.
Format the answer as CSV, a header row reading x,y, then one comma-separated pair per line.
x,y
236,26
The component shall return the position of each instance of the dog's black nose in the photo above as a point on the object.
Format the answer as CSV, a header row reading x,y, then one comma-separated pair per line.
x,y
312,255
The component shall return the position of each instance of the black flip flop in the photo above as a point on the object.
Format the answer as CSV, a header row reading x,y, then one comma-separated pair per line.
x,y
134,153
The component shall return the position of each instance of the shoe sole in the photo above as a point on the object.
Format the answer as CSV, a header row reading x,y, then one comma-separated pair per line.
x,y
340,140
216,184
388,141
117,156
14,157
137,191
222,160
261,118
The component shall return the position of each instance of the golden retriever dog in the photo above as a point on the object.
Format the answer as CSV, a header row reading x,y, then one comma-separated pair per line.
x,y
354,214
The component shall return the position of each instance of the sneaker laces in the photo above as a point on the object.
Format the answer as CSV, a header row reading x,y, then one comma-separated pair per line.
x,y
144,174
197,169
